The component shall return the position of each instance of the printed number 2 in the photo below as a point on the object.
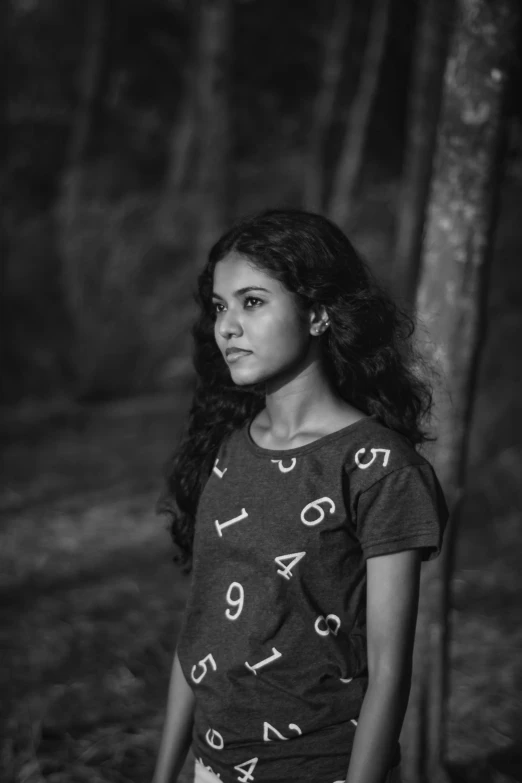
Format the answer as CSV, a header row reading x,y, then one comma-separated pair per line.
x,y
246,771
210,659
268,728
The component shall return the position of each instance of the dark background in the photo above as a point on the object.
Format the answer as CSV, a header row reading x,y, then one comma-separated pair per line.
x,y
96,372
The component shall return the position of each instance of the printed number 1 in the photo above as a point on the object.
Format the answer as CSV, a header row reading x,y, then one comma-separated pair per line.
x,y
274,657
246,772
219,527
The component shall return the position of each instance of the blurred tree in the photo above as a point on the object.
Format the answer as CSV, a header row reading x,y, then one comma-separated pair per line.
x,y
432,36
196,187
74,272
213,121
4,324
348,167
323,109
181,143
450,301
89,83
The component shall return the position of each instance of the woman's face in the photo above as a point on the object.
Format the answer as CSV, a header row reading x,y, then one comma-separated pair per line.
x,y
258,328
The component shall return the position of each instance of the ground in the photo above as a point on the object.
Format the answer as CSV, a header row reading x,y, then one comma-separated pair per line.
x,y
91,606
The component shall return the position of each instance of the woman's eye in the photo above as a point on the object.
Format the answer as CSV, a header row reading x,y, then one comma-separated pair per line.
x,y
249,303
256,302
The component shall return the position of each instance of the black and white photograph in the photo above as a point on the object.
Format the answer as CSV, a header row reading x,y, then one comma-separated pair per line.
x,y
261,391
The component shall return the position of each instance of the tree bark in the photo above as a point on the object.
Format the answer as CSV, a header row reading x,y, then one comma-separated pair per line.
x,y
450,298
431,40
350,161
334,44
4,120
183,144
88,91
181,148
212,107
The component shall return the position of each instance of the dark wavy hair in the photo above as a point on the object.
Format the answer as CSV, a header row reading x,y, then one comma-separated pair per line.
x,y
368,353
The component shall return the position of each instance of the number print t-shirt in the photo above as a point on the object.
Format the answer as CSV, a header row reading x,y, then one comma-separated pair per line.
x,y
273,640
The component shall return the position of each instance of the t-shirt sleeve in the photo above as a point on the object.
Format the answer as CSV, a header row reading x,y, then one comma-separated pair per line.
x,y
404,510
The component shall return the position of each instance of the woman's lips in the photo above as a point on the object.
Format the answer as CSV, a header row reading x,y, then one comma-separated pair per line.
x,y
236,354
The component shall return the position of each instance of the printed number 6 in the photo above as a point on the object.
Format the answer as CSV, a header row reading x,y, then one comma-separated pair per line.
x,y
316,504
210,659
237,602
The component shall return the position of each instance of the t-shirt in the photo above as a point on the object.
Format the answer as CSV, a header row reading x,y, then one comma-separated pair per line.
x,y
273,640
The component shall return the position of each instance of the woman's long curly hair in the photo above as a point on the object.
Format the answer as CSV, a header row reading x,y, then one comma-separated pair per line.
x,y
368,353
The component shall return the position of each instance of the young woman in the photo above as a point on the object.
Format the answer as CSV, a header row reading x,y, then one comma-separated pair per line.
x,y
304,509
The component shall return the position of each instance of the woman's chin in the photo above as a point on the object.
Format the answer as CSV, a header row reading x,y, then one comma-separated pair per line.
x,y
243,379
242,376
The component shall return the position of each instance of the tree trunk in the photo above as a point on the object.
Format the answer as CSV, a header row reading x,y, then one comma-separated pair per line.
x,y
173,203
350,161
88,91
450,298
334,43
432,36
212,107
194,204
4,292
181,148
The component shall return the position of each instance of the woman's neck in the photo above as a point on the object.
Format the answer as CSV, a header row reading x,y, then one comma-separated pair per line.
x,y
307,403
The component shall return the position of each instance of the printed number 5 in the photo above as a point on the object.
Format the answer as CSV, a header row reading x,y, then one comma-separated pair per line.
x,y
364,465
210,659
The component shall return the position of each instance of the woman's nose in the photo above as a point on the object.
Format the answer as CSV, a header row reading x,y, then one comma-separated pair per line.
x,y
229,324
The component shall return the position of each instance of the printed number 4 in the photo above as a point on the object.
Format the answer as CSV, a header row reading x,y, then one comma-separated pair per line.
x,y
210,659
246,771
287,569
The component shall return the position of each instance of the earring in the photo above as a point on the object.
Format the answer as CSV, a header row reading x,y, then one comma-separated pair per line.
x,y
322,328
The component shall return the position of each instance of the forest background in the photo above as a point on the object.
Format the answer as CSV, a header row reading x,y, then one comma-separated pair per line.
x,y
131,138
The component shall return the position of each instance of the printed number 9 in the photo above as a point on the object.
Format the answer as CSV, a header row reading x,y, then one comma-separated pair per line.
x,y
235,602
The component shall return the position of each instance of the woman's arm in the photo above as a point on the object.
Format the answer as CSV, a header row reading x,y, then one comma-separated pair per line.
x,y
177,730
392,603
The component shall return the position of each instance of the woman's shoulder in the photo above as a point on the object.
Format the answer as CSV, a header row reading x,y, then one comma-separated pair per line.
x,y
374,451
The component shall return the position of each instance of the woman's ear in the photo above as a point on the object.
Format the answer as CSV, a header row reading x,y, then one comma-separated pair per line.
x,y
319,321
